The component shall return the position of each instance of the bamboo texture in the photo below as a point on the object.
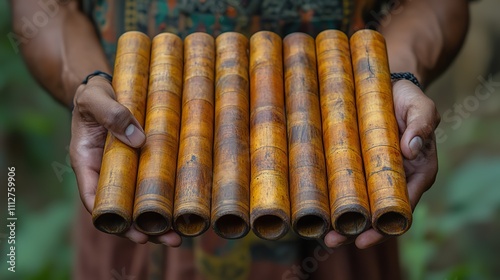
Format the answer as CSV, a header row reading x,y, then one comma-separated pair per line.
x,y
157,165
263,134
383,161
349,205
307,174
194,165
269,196
114,199
231,183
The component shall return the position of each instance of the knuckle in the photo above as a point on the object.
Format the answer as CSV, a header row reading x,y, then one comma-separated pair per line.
x,y
427,129
437,117
86,96
82,101
429,103
78,101
117,116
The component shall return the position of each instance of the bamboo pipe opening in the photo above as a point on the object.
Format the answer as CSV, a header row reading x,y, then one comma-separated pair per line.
x,y
392,223
351,223
152,223
231,226
270,227
311,226
111,223
190,224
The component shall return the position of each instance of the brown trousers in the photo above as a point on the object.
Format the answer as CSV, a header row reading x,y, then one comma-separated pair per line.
x,y
102,256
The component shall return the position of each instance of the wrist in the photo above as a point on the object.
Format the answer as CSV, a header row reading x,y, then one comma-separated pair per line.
x,y
93,81
98,74
406,76
407,62
403,54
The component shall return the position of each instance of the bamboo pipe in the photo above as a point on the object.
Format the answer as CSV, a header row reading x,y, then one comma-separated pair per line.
x,y
349,205
307,172
230,190
157,165
269,197
114,199
383,161
194,165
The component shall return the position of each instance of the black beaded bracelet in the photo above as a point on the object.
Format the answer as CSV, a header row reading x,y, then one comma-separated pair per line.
x,y
98,73
406,76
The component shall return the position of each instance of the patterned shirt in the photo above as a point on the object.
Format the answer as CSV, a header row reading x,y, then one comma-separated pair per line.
x,y
114,17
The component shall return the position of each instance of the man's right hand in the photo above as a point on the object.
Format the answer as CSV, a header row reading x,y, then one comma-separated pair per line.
x,y
95,113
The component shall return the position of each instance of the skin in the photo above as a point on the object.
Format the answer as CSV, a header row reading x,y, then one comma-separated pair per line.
x,y
425,46
422,37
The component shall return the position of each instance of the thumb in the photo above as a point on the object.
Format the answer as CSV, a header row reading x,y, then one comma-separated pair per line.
x,y
96,104
421,122
118,120
419,119
412,147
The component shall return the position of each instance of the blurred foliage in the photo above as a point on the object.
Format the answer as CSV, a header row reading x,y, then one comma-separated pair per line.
x,y
454,233
455,229
34,135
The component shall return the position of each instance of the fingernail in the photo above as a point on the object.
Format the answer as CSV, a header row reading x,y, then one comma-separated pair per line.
x,y
134,135
416,145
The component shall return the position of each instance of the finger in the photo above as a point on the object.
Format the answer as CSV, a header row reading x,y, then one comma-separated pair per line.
x,y
418,117
418,184
96,103
135,235
334,239
85,159
420,127
422,172
370,238
414,191
87,182
170,238
117,119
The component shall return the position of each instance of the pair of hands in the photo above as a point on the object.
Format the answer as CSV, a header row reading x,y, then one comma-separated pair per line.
x,y
96,112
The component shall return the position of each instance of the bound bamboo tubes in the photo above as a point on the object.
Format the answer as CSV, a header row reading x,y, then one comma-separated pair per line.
x,y
269,197
114,199
308,186
349,206
250,176
390,207
230,190
157,166
194,166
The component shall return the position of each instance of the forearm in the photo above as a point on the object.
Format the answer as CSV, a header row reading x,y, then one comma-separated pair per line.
x,y
425,35
63,51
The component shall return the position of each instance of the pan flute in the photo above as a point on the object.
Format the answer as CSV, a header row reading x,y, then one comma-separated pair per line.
x,y
265,133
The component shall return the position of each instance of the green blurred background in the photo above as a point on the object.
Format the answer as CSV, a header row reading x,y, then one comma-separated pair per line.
x,y
455,229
